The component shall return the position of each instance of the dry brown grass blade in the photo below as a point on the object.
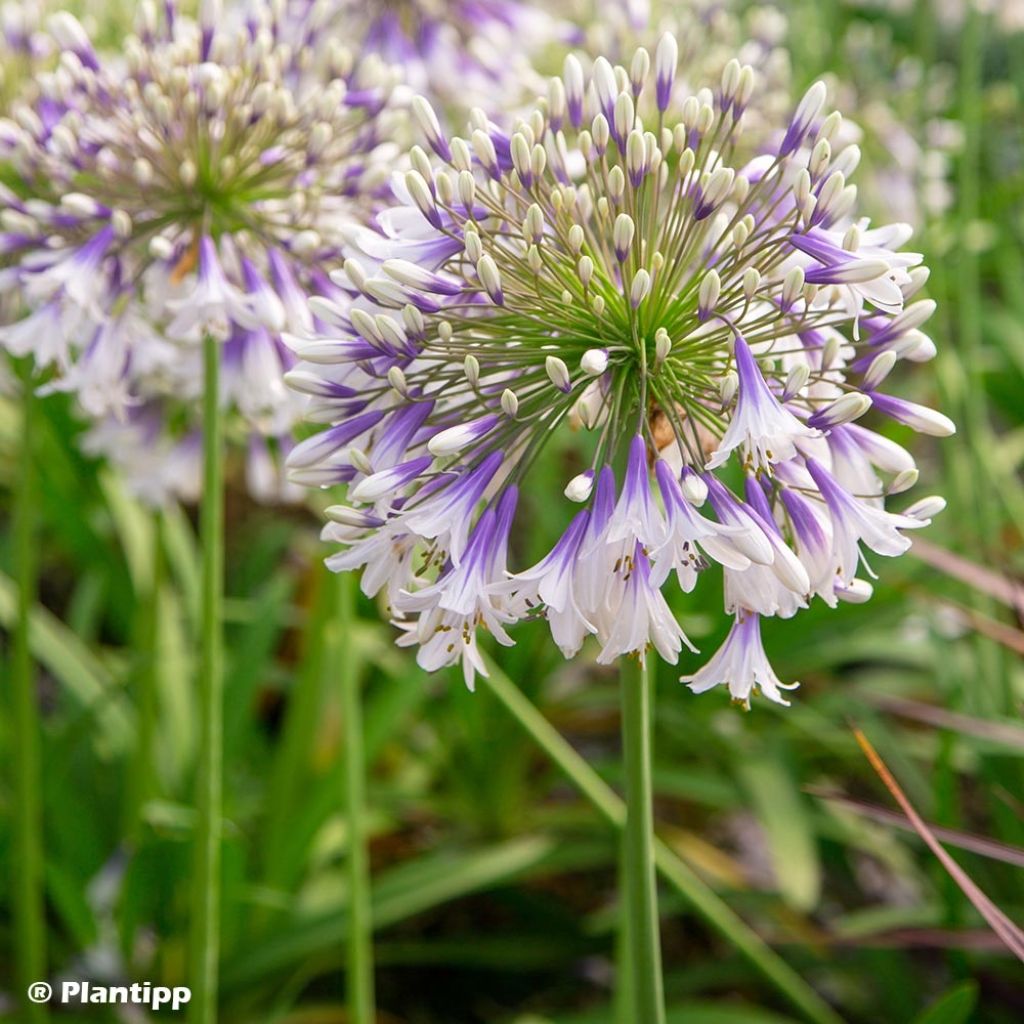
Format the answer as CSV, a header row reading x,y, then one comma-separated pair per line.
x,y
1011,935
1002,588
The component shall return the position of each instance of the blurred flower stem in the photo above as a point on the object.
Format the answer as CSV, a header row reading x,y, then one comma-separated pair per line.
x,y
28,900
704,901
141,785
359,960
205,922
641,888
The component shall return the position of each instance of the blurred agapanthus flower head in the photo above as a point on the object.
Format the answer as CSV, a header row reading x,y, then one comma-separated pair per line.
x,y
709,34
457,52
707,323
201,180
23,47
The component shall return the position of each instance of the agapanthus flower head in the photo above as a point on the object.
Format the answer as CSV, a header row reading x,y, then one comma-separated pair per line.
x,y
620,270
457,52
707,34
23,48
201,181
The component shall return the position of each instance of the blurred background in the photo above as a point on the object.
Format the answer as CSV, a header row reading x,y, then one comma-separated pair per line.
x,y
494,876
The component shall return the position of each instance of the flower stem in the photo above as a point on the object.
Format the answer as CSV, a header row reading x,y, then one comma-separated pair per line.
x,y
142,783
28,898
206,878
359,960
705,902
641,891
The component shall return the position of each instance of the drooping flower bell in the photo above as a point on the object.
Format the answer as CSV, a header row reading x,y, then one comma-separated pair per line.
x,y
620,270
200,181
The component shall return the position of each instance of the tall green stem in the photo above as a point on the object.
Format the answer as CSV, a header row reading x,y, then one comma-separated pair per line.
x,y
704,901
641,892
205,945
359,960
141,785
30,941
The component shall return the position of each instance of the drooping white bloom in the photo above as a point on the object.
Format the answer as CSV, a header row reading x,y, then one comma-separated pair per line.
x,y
741,665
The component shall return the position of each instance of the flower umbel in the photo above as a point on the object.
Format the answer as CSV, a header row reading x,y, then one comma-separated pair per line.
x,y
201,181
620,265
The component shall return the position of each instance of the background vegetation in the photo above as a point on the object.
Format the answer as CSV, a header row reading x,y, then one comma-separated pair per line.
x,y
494,871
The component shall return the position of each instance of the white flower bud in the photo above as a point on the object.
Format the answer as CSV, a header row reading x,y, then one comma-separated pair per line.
x,y
666,58
485,152
471,365
396,378
636,156
358,458
519,149
473,246
695,491
594,362
792,286
585,270
845,409
639,69
422,197
428,122
622,234
616,183
830,353
509,403
662,346
558,373
533,224
462,158
624,115
727,387
490,278
926,508
467,189
751,282
903,481
880,368
640,288
572,75
795,381
347,516
580,487
855,592
707,296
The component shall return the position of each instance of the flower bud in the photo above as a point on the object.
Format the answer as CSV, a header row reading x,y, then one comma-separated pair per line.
x,y
580,487
594,362
509,403
558,373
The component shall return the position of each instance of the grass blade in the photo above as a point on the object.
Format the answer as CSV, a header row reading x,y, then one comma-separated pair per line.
x,y
1010,934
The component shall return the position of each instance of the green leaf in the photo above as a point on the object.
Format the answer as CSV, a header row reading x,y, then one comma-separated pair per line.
x,y
955,1007
84,677
785,816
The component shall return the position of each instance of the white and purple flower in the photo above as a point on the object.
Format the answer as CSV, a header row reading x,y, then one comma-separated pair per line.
x,y
520,290
201,182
